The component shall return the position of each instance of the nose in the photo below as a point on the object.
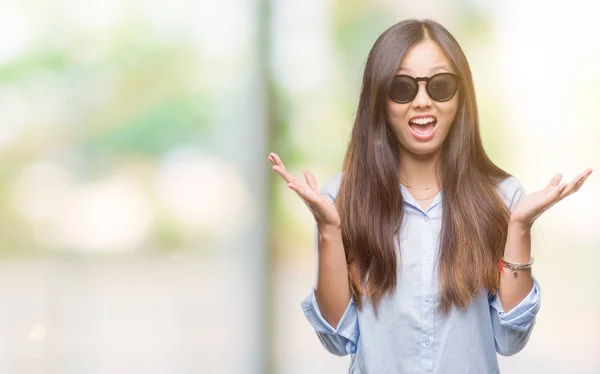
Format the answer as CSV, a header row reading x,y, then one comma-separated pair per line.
x,y
422,100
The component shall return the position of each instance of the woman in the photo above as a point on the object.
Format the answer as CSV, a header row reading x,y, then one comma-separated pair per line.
x,y
423,243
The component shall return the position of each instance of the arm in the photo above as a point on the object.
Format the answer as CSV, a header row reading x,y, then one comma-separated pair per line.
x,y
518,249
337,328
332,289
514,309
329,307
513,328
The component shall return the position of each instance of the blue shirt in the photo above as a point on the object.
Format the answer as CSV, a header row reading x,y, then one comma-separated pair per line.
x,y
410,336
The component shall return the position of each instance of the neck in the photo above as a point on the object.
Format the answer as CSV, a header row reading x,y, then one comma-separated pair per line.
x,y
420,170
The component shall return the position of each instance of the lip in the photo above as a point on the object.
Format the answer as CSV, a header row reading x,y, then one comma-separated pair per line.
x,y
421,137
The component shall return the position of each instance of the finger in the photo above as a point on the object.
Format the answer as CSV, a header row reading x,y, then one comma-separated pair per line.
x,y
555,195
279,167
274,158
575,183
566,191
560,189
578,186
585,175
555,180
311,180
286,175
277,160
305,192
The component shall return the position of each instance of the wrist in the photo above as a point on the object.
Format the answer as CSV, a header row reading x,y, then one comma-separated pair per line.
x,y
518,242
519,225
329,229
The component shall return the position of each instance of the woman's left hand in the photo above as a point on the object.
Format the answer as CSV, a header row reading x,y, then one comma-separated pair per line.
x,y
533,205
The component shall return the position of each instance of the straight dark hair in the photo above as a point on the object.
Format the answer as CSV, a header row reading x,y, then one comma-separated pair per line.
x,y
475,218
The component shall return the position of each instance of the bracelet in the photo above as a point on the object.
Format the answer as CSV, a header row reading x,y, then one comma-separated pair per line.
x,y
514,266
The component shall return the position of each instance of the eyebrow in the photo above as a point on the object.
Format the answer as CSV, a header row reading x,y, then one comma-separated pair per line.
x,y
434,68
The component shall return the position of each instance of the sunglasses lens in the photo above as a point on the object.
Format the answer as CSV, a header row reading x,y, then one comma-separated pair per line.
x,y
403,89
442,87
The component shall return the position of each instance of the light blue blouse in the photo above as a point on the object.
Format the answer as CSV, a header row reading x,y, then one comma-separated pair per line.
x,y
410,336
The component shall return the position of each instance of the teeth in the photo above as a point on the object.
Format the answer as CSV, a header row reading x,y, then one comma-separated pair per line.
x,y
423,121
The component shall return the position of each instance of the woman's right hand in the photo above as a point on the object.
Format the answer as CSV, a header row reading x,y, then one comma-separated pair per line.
x,y
322,209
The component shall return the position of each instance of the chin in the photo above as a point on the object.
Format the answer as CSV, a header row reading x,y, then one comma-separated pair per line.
x,y
423,149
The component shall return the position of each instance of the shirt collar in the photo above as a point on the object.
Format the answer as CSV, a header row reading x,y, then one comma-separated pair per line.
x,y
410,200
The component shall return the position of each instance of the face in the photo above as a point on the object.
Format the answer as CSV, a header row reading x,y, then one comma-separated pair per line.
x,y
422,60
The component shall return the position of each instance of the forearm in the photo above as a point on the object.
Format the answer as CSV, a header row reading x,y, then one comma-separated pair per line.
x,y
332,289
518,249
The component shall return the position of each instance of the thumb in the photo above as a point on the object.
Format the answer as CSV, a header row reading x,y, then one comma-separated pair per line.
x,y
556,180
311,180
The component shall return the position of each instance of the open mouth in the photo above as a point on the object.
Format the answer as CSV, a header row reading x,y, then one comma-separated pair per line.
x,y
423,128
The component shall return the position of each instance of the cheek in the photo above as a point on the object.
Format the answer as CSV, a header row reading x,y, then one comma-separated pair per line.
x,y
449,112
395,115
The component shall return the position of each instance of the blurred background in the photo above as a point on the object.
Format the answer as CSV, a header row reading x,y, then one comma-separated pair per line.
x,y
141,227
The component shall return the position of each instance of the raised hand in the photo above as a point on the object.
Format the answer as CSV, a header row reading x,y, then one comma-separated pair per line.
x,y
321,208
533,205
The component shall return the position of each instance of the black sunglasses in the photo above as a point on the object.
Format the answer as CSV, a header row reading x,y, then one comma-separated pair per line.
x,y
440,87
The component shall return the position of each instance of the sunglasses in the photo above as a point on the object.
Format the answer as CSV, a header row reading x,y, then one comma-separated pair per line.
x,y
440,87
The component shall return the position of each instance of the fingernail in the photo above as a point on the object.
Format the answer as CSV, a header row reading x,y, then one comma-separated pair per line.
x,y
556,179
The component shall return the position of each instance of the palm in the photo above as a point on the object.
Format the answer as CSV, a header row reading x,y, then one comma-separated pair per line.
x,y
323,210
533,205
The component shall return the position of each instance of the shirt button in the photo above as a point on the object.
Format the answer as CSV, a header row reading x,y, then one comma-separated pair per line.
x,y
427,342
426,219
428,299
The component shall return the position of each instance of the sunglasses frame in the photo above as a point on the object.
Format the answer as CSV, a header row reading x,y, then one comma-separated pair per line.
x,y
426,80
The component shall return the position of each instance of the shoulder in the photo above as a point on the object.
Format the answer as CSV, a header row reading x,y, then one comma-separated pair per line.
x,y
511,191
331,188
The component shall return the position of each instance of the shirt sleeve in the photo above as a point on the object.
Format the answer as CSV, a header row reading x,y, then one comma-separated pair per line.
x,y
512,329
342,340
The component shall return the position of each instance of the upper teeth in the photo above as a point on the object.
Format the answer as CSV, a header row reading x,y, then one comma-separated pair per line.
x,y
423,121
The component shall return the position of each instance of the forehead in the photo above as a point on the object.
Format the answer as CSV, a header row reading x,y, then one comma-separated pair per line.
x,y
425,59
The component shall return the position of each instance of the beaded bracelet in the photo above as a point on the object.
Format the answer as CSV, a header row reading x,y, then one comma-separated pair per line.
x,y
514,266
